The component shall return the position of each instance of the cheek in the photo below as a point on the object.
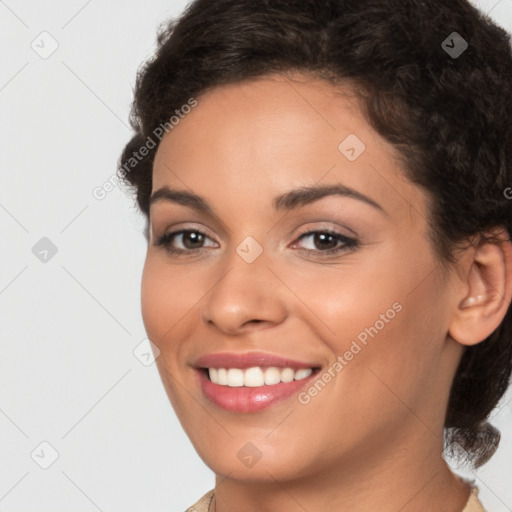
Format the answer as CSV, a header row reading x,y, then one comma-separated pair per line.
x,y
154,301
166,299
167,296
400,332
346,301
384,315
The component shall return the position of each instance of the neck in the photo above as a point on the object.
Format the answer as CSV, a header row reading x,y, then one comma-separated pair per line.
x,y
411,478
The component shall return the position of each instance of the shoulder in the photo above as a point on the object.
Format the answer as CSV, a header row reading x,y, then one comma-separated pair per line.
x,y
474,504
204,503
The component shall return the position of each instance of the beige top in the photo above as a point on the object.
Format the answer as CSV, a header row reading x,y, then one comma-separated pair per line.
x,y
473,504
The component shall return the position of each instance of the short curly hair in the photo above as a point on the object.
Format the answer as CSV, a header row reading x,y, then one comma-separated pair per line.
x,y
447,113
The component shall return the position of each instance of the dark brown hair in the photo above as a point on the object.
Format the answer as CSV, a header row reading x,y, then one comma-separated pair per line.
x,y
447,113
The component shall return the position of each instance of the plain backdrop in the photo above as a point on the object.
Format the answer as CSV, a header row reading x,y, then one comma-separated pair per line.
x,y
85,423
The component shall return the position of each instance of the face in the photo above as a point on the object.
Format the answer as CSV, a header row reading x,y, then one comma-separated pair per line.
x,y
323,314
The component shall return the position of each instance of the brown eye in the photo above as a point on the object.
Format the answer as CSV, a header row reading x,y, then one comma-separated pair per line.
x,y
324,241
190,241
327,242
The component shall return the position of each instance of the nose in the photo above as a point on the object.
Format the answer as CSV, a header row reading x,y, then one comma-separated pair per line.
x,y
245,296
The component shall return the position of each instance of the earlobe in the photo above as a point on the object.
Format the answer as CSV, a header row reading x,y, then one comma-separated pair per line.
x,y
486,291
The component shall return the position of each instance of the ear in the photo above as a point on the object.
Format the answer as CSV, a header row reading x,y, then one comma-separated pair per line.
x,y
485,291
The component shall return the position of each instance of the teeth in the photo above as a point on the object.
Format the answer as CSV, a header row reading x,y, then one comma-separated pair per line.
x,y
302,374
272,376
214,375
287,374
253,377
256,376
235,377
222,376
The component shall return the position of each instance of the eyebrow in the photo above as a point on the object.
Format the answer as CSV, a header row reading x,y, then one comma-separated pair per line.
x,y
290,200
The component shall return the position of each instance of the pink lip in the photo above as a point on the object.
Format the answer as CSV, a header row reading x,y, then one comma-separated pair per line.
x,y
248,360
246,399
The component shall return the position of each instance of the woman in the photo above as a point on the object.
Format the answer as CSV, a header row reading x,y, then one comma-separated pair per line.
x,y
329,267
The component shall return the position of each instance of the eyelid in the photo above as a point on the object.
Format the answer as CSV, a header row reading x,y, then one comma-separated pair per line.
x,y
161,216
324,226
185,226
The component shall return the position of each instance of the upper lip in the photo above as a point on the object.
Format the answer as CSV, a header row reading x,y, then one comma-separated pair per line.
x,y
248,360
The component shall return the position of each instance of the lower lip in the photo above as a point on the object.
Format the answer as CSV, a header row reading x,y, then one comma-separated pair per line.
x,y
245,399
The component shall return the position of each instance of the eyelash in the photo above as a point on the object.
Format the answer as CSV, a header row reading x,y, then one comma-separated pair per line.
x,y
349,244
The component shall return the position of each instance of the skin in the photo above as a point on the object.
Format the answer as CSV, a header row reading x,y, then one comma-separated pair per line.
x,y
372,438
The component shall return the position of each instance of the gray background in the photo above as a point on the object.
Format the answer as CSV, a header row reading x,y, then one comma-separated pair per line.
x,y
71,321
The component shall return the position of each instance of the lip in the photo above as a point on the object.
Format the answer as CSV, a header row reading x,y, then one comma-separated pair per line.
x,y
246,399
248,360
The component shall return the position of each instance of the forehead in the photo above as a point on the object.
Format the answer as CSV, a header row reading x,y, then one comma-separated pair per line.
x,y
272,116
264,136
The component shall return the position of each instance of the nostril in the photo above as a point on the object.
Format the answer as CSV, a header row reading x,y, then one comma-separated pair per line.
x,y
253,322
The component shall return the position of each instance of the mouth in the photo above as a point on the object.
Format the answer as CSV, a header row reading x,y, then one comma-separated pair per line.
x,y
255,376
251,382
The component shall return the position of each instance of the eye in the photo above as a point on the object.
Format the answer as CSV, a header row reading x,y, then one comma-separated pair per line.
x,y
322,242
327,242
190,240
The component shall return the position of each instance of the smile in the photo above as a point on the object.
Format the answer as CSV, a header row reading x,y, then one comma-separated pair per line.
x,y
251,382
256,376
